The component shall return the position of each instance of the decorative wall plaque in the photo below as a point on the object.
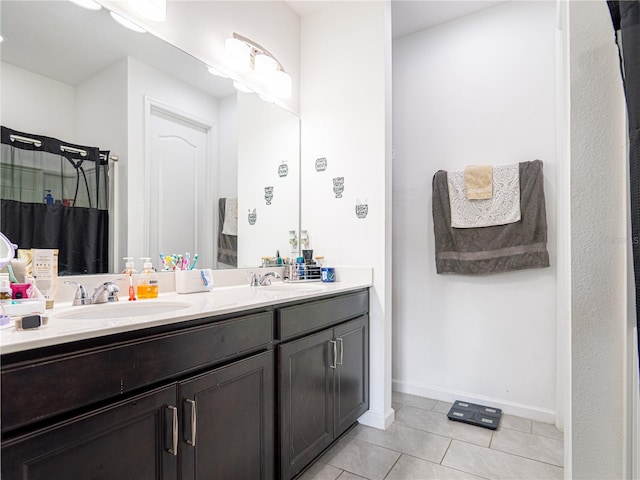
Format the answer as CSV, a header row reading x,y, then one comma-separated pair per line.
x,y
268,194
253,216
338,186
361,209
321,164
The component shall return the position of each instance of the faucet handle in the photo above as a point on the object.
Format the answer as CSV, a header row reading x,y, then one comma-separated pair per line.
x,y
253,279
81,297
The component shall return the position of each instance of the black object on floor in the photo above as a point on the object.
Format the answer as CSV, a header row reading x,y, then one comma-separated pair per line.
x,y
479,415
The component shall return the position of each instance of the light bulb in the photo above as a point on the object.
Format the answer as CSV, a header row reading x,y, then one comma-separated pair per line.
x,y
238,54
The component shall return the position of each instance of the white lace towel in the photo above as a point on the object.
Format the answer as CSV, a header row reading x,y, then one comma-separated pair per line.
x,y
230,225
501,209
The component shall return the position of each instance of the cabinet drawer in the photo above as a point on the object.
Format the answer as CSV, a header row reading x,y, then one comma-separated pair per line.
x,y
300,319
39,389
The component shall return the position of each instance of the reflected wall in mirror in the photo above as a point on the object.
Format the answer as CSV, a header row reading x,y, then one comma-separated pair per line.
x,y
76,75
268,179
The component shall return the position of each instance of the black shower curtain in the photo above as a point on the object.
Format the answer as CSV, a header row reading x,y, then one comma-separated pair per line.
x,y
626,19
55,195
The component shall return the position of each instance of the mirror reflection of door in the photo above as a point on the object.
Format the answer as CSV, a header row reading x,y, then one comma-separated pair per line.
x,y
180,186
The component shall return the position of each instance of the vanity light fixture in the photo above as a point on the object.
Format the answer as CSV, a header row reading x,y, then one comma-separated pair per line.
x,y
125,22
88,4
245,55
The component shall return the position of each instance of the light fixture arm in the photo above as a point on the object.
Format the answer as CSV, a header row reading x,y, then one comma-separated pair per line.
x,y
257,49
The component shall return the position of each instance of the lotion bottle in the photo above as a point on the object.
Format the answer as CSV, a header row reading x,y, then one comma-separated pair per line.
x,y
148,280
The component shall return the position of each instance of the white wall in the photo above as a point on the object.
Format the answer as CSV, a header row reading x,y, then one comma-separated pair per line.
x,y
477,90
32,103
344,101
598,248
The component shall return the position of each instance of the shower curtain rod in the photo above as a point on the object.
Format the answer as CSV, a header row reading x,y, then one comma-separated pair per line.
x,y
64,148
22,139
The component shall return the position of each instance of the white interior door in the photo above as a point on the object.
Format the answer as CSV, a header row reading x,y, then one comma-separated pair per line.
x,y
180,186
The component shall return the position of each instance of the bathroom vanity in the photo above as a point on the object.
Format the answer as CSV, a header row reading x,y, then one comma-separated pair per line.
x,y
249,390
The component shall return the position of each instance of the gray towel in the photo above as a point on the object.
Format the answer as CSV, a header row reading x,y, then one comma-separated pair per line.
x,y
499,248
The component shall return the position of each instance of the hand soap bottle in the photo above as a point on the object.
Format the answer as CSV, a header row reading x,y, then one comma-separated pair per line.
x,y
148,280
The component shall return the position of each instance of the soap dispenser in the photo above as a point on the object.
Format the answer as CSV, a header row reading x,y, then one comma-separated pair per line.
x,y
129,270
148,280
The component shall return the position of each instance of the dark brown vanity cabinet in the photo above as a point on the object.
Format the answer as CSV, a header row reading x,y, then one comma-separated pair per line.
x,y
214,424
323,378
130,439
228,422
196,399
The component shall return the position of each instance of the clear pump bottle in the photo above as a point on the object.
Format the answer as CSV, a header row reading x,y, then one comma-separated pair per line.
x,y
147,280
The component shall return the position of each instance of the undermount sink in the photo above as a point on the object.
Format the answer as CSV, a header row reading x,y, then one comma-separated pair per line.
x,y
122,310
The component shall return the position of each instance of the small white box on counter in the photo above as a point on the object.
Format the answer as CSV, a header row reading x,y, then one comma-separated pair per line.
x,y
194,281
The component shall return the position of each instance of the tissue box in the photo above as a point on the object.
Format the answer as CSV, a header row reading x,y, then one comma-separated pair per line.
x,y
194,281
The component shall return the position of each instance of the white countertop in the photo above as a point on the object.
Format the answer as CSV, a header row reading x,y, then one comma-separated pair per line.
x,y
66,323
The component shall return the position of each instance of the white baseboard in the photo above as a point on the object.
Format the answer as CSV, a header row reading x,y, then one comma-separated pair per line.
x,y
376,420
448,395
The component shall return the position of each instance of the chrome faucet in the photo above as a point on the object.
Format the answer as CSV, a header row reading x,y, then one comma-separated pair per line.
x,y
262,280
81,297
105,293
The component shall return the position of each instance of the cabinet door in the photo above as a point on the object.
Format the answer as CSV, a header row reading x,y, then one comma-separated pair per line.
x,y
131,439
352,373
305,400
227,422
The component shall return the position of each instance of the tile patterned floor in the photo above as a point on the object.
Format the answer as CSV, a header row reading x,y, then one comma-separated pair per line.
x,y
423,444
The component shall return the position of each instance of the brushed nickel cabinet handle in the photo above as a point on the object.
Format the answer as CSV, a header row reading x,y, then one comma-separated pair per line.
x,y
174,430
335,354
341,351
192,405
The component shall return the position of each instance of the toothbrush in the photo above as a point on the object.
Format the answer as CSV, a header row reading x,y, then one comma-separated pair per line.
x,y
164,265
193,264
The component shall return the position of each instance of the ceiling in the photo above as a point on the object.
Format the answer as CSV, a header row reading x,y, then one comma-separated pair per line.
x,y
68,43
46,44
410,16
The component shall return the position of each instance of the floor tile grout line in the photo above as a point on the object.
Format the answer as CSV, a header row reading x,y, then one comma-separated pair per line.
x,y
392,466
508,453
447,466
527,458
446,451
